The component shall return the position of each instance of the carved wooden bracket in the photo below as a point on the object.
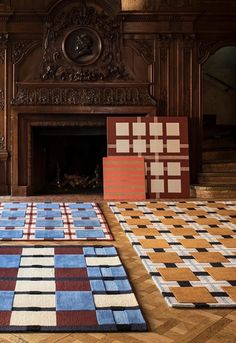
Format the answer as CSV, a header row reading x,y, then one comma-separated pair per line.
x,y
21,48
144,48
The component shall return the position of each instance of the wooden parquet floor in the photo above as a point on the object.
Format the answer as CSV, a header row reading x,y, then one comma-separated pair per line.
x,y
165,324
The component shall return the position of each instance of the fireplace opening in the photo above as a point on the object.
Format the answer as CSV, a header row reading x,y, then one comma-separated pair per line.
x,y
68,159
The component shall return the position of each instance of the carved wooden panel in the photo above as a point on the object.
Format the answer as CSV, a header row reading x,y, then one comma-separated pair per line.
x,y
82,43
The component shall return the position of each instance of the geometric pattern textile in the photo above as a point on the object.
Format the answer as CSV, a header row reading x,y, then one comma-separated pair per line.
x,y
189,248
52,221
163,142
66,288
123,178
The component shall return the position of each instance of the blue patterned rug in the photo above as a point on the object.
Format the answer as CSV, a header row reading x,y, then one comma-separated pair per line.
x,y
52,221
69,288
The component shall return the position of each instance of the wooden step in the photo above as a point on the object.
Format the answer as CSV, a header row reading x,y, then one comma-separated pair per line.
x,y
217,178
219,166
215,155
214,191
219,143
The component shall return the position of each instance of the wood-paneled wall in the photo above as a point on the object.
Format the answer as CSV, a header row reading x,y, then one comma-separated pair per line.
x,y
156,51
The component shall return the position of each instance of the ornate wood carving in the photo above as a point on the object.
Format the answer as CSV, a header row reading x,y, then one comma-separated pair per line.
x,y
2,143
204,49
2,99
2,55
112,96
144,48
108,65
21,48
3,41
209,46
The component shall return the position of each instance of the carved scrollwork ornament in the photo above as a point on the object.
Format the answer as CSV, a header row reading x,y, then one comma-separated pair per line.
x,y
82,43
144,48
20,48
2,143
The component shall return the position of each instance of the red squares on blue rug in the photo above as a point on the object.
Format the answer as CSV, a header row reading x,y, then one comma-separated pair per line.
x,y
70,285
66,288
83,319
71,273
5,318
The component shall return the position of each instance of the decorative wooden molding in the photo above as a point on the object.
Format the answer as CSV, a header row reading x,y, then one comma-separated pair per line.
x,y
21,48
69,20
209,46
3,42
2,99
110,95
189,40
144,48
2,143
204,49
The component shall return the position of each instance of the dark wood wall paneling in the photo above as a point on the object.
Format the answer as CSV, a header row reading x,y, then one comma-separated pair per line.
x,y
162,43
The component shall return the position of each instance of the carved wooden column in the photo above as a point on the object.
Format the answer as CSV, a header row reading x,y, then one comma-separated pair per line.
x,y
162,75
189,97
3,118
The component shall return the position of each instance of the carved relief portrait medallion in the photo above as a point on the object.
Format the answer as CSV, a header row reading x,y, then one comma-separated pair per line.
x,y
82,46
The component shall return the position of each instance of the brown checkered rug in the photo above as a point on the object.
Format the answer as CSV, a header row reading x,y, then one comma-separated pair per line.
x,y
189,248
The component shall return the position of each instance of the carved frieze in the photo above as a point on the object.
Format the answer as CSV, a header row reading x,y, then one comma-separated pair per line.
x,y
84,96
82,43
21,48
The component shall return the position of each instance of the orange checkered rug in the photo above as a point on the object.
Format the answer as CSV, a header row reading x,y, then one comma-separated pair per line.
x,y
189,248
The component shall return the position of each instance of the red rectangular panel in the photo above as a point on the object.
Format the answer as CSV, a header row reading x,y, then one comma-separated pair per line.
x,y
123,178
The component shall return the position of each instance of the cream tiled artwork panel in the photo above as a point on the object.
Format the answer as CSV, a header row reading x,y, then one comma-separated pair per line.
x,y
163,142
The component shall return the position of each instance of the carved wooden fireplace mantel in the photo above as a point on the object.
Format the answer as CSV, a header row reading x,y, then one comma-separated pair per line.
x,y
25,119
76,75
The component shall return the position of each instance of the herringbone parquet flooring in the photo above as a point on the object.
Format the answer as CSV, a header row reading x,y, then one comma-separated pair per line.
x,y
165,324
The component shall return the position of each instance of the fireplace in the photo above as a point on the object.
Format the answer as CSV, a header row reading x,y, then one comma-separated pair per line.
x,y
68,159
57,152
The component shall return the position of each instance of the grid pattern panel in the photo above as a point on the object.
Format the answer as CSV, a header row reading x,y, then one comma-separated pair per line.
x,y
163,142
